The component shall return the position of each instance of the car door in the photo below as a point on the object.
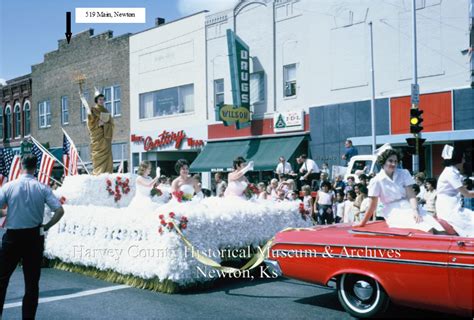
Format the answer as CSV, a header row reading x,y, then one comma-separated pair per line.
x,y
461,270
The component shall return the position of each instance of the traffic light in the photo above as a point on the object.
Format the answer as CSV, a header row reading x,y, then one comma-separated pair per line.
x,y
416,120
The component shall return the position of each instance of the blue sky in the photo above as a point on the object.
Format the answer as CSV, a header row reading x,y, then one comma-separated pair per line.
x,y
30,28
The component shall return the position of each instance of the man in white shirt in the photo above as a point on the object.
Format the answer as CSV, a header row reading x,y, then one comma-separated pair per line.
x,y
283,168
309,170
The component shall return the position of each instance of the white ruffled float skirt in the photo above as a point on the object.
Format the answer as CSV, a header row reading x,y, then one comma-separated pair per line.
x,y
399,214
461,219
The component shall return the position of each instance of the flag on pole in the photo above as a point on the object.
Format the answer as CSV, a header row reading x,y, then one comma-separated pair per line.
x,y
3,170
44,166
70,157
10,165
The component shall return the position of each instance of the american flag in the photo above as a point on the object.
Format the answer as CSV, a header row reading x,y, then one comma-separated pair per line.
x,y
10,165
70,157
45,165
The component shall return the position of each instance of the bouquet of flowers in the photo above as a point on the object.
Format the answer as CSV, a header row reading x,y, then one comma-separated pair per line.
x,y
181,197
121,186
251,191
304,213
156,192
167,224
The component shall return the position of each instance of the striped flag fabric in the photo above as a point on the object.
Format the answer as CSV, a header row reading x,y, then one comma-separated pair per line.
x,y
10,165
3,170
45,164
70,157
15,168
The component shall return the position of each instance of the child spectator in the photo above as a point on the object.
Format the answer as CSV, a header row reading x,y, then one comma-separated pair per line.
x,y
324,201
262,189
429,198
349,185
420,178
364,206
349,207
308,199
339,206
363,179
273,189
325,168
339,184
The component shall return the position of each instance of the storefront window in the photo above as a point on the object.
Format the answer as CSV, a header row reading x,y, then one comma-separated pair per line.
x,y
167,102
218,92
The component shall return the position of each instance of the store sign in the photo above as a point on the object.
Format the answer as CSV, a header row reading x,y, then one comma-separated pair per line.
x,y
230,115
288,121
239,61
166,139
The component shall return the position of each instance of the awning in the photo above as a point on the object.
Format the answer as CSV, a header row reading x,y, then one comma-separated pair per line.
x,y
57,152
219,156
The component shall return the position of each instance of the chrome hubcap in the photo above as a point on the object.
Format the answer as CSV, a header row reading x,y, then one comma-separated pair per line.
x,y
363,290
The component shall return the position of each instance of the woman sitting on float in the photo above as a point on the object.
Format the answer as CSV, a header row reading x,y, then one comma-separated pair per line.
x,y
449,191
394,187
185,185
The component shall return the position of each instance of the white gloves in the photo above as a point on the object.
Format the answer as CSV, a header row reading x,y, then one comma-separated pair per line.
x,y
250,165
158,171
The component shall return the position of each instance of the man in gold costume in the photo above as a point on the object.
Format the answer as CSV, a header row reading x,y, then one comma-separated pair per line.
x,y
101,130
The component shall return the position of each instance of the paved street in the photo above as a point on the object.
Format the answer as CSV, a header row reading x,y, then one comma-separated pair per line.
x,y
78,297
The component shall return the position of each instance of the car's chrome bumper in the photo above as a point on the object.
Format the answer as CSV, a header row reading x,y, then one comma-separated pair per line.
x,y
273,266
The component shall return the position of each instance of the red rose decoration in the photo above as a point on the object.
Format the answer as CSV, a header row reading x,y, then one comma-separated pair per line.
x,y
163,222
161,217
172,215
170,225
184,226
160,230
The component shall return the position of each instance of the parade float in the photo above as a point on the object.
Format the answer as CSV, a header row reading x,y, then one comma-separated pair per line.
x,y
168,247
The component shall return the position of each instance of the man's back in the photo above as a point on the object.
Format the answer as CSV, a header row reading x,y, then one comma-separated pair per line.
x,y
25,198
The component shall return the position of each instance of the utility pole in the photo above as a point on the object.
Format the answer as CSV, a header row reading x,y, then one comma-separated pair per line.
x,y
372,101
415,91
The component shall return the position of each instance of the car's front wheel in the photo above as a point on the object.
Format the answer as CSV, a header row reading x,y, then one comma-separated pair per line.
x,y
361,296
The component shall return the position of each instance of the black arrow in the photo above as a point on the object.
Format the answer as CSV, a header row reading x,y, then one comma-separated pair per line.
x,y
68,26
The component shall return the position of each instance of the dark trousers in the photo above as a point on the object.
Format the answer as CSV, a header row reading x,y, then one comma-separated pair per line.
x,y
325,215
26,245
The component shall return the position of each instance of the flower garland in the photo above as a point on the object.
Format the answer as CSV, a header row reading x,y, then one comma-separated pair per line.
x,y
121,186
168,224
251,190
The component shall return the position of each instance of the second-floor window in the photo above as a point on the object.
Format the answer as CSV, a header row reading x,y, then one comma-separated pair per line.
x,y
218,92
167,102
1,123
8,122
257,88
17,116
289,80
83,108
64,110
27,111
44,111
112,100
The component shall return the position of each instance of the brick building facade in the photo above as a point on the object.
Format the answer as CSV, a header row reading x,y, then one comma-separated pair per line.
x,y
104,61
15,111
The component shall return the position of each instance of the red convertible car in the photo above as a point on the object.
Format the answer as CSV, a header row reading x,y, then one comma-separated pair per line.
x,y
375,264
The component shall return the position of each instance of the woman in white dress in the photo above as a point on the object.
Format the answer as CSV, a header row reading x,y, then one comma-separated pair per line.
x,y
449,190
393,186
144,184
185,183
237,180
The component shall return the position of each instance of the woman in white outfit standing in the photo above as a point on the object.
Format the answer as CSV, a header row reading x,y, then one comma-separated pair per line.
x,y
393,186
449,191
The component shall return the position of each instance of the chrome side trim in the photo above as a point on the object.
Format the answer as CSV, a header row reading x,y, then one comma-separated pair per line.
x,y
374,247
274,266
375,259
